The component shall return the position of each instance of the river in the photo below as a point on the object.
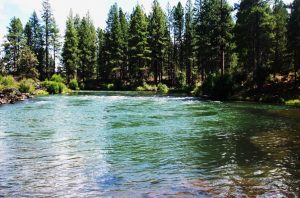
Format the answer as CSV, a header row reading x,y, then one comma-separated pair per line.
x,y
129,144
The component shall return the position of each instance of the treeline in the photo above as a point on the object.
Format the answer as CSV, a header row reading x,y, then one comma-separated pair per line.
x,y
179,46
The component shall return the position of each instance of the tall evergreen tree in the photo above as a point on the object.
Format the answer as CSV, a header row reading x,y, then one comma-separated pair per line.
x,y
157,28
34,38
70,50
294,35
13,45
254,34
178,20
139,52
280,43
48,20
55,44
189,41
87,46
124,43
100,53
113,47
225,34
170,47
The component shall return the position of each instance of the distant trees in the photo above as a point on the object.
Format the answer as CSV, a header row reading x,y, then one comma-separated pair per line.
x,y
254,32
181,47
70,52
33,34
157,41
294,35
87,49
138,46
13,45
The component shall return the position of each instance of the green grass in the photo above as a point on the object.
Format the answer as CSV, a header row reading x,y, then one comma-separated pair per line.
x,y
293,102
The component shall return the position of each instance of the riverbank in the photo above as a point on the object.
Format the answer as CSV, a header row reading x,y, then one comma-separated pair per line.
x,y
14,89
12,95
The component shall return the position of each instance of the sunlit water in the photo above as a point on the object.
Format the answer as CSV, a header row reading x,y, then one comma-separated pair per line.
x,y
110,144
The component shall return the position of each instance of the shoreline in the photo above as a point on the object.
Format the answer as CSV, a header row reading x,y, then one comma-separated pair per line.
x,y
12,95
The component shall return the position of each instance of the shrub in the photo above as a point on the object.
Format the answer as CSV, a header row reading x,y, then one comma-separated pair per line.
x,y
53,87
41,92
8,82
27,86
218,87
73,84
162,88
293,102
107,87
181,80
146,87
223,87
208,85
196,91
57,78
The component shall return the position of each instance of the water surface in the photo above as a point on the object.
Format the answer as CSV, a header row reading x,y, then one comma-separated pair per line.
x,y
112,144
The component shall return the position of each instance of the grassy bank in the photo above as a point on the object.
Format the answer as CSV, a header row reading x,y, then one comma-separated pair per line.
x,y
14,89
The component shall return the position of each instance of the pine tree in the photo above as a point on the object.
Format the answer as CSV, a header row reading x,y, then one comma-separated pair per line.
x,y
139,52
294,36
124,43
56,45
28,63
87,46
157,28
170,46
13,45
225,35
280,43
33,33
178,20
113,47
254,34
100,53
70,50
48,20
189,41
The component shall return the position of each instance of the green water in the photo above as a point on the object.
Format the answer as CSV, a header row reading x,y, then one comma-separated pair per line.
x,y
111,144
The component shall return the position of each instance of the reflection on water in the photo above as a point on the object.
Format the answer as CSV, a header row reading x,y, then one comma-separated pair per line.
x,y
122,145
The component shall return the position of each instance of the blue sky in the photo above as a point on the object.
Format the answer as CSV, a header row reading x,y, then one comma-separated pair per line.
x,y
98,9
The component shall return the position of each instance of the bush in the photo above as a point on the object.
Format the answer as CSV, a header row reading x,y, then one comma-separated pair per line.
x,y
73,84
41,92
293,102
181,80
162,88
57,78
218,87
27,86
8,82
208,85
107,87
146,87
197,91
53,87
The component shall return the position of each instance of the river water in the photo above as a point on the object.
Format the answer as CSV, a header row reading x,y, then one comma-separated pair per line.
x,y
128,144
